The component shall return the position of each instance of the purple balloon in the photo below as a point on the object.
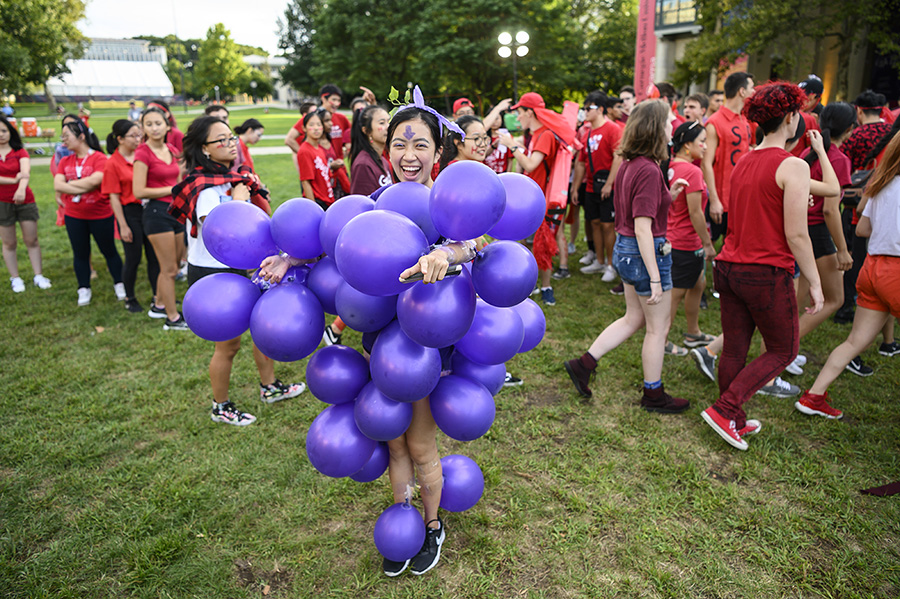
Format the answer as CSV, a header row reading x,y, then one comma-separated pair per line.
x,y
463,483
336,374
399,532
525,208
238,235
218,307
492,376
324,280
411,200
295,228
504,273
378,416
339,214
376,465
438,314
535,324
375,247
362,312
334,445
495,336
401,368
466,200
463,409
287,323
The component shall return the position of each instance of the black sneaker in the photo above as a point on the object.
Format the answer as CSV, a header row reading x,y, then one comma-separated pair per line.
x,y
889,349
278,391
857,367
156,312
430,554
512,381
176,325
229,414
618,289
330,338
133,306
844,315
561,273
392,568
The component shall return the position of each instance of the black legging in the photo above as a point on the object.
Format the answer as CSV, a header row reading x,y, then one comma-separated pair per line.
x,y
858,247
134,219
80,232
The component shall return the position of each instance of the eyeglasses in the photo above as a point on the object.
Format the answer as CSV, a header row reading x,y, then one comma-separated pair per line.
x,y
482,140
137,136
225,141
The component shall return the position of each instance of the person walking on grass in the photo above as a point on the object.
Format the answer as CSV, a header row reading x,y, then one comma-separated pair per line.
x,y
641,256
767,232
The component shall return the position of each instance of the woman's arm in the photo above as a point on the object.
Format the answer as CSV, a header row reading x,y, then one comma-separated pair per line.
x,y
716,209
139,184
832,213
643,232
77,186
829,185
23,177
307,190
494,115
698,221
434,265
611,179
793,176
124,230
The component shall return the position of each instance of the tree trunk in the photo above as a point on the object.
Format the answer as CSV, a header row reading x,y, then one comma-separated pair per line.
x,y
51,101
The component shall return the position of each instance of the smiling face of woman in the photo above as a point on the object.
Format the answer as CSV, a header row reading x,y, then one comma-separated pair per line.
x,y
413,152
476,143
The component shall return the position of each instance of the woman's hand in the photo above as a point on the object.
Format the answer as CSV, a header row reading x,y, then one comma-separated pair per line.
x,y
240,192
816,142
709,252
656,293
273,269
335,164
19,196
126,234
816,299
677,187
433,267
59,201
844,260
507,140
368,95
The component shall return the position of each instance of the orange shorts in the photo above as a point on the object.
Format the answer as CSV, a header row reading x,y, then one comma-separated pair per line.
x,y
878,285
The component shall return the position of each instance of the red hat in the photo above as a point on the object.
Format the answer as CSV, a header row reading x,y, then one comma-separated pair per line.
x,y
530,100
460,103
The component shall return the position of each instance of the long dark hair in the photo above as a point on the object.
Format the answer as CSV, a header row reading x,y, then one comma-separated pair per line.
x,y
882,143
195,140
685,134
450,151
359,138
15,141
247,125
836,119
119,129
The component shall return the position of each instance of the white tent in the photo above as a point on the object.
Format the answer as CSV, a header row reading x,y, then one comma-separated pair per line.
x,y
112,78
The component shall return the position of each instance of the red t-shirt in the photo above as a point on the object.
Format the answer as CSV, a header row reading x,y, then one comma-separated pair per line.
x,y
298,127
338,176
92,205
681,231
756,219
640,190
498,160
602,142
803,143
841,165
543,141
10,167
159,174
734,136
314,168
339,124
117,178
175,139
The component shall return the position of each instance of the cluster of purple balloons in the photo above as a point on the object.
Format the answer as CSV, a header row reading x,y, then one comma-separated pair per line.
x,y
484,312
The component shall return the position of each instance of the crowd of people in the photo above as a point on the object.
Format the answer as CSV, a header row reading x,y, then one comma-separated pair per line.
x,y
805,198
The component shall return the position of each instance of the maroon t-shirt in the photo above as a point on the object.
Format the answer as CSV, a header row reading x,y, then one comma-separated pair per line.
x,y
366,176
841,165
159,174
640,190
9,167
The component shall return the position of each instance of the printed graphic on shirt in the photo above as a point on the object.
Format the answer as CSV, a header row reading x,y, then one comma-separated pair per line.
x,y
323,170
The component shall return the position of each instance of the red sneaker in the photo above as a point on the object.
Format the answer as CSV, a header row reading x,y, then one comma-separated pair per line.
x,y
725,428
751,427
817,405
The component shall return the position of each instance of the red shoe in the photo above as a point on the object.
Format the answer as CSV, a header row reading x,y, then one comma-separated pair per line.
x,y
725,428
817,405
751,427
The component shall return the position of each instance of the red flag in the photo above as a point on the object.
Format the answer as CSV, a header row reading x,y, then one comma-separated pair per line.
x,y
645,54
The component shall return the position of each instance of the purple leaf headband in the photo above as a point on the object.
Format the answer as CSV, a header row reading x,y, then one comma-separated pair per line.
x,y
419,102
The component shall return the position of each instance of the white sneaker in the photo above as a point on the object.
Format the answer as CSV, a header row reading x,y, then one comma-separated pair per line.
x,y
796,367
84,296
120,291
588,258
593,268
42,282
610,275
18,285
571,247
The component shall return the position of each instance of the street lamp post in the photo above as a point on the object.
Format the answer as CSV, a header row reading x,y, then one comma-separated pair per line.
x,y
509,48
217,93
253,85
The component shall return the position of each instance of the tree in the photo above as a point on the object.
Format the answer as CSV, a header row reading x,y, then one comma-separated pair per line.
x,y
36,39
611,29
259,85
220,63
295,33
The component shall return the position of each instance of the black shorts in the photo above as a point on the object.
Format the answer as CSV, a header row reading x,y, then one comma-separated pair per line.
x,y
11,213
822,243
595,207
195,273
687,266
156,219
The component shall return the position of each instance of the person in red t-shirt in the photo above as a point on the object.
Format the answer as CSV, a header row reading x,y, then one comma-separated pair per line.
x,y
727,139
767,232
641,257
330,97
294,136
87,211
17,205
338,178
156,171
315,180
174,137
249,133
597,166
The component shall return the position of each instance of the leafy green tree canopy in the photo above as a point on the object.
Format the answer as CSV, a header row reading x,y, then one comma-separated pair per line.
x,y
220,62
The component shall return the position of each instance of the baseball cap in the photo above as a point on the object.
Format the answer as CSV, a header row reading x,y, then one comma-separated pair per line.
x,y
530,100
812,85
460,103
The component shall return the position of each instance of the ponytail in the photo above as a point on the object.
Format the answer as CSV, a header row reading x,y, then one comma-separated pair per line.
x,y
119,129
836,119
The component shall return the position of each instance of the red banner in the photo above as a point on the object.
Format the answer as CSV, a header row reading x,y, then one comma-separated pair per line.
x,y
645,54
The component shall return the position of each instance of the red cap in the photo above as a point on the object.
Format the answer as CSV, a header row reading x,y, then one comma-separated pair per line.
x,y
530,100
460,103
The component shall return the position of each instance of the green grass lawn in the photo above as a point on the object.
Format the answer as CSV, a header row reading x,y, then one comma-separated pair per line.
x,y
115,483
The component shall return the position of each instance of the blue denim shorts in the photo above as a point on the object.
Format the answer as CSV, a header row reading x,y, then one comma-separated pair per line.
x,y
630,266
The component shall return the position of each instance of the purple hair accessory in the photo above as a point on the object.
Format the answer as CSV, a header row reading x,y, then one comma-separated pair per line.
x,y
419,102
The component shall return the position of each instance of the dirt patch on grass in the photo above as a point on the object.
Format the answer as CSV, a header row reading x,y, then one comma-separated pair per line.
x,y
268,582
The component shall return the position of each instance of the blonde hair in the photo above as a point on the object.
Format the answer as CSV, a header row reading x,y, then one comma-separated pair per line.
x,y
645,132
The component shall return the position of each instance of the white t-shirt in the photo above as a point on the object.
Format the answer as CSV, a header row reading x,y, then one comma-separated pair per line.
x,y
884,212
208,199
